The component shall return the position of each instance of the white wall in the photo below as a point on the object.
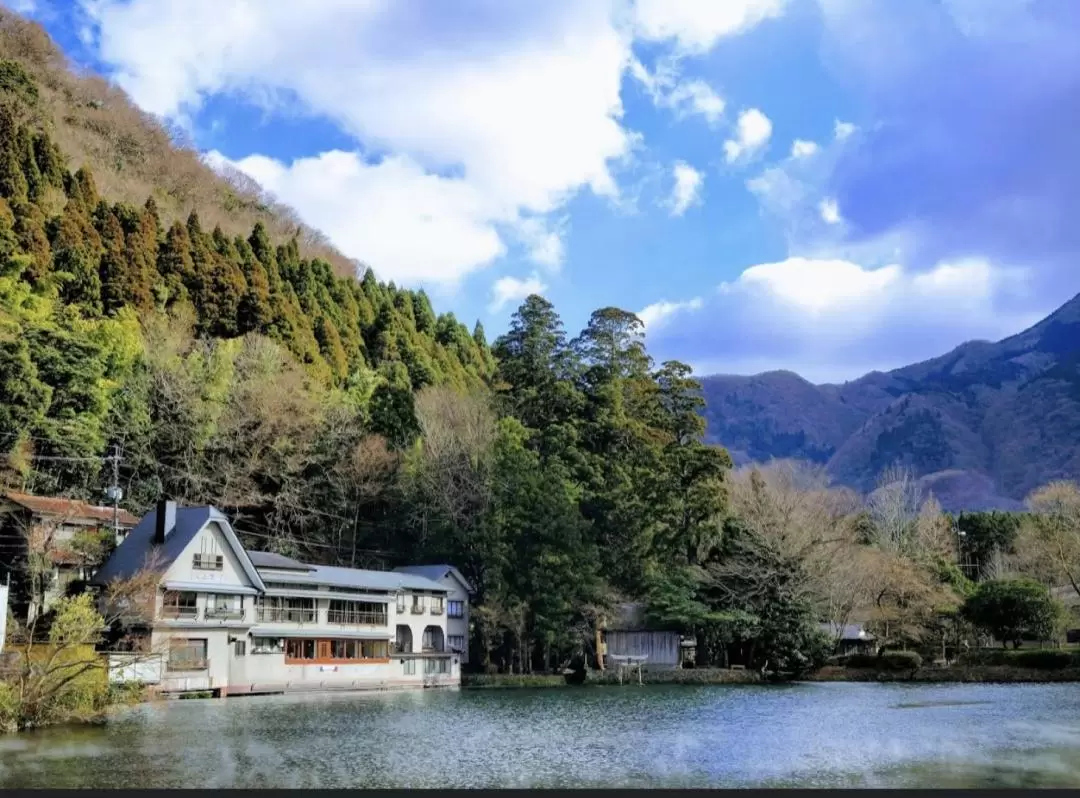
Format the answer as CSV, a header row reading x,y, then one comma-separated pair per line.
x,y
210,540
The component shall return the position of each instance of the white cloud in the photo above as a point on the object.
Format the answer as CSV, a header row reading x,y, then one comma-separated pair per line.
x,y
833,319
752,132
696,25
523,111
830,211
543,241
685,97
511,289
687,191
656,314
800,148
411,226
843,129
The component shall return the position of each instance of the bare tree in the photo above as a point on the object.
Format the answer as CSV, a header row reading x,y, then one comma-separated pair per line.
x,y
894,507
1048,543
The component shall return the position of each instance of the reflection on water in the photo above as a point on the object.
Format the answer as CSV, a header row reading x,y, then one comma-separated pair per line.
x,y
813,735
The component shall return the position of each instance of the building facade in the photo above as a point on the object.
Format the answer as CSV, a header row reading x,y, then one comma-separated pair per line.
x,y
234,621
48,545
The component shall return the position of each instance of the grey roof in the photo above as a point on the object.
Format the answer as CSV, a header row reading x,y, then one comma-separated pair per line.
x,y
849,631
435,573
137,549
266,559
358,578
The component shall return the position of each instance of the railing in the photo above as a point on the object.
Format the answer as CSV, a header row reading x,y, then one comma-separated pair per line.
x,y
437,609
280,615
400,647
187,665
417,609
224,614
351,618
431,648
180,613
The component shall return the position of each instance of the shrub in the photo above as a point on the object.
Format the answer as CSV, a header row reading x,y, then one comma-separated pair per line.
x,y
1013,610
1036,659
901,661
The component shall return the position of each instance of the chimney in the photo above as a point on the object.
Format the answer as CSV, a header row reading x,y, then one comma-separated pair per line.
x,y
164,520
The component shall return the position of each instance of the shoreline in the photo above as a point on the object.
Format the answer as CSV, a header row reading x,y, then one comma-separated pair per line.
x,y
955,674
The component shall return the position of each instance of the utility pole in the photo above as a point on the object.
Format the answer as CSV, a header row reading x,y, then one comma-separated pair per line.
x,y
114,490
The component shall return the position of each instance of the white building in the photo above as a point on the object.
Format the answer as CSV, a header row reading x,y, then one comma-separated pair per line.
x,y
233,621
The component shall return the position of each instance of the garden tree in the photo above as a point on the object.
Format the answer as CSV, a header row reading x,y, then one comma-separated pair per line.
x,y
1013,610
53,673
1048,542
987,537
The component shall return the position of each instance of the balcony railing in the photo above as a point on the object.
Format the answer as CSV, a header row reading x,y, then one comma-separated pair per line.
x,y
431,648
401,647
417,609
349,618
225,614
280,615
187,665
180,613
437,609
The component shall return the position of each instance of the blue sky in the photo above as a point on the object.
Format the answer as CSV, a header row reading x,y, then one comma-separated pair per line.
x,y
825,186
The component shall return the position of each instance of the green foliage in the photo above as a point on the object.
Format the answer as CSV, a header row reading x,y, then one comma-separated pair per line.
x,y
1013,610
886,661
1038,659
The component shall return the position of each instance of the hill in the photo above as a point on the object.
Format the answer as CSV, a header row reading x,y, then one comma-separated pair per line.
x,y
982,425
133,156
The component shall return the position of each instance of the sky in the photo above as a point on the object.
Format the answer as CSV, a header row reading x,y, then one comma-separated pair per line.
x,y
823,186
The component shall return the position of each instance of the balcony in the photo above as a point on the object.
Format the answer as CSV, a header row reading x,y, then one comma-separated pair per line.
x,y
224,614
279,615
417,609
437,609
180,613
348,618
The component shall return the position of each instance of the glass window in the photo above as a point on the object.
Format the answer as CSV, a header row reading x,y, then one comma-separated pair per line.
x,y
457,642
241,648
409,667
189,654
267,645
455,609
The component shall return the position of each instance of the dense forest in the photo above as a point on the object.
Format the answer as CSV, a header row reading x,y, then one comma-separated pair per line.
x,y
342,420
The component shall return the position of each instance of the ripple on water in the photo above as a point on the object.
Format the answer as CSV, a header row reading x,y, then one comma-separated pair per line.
x,y
795,735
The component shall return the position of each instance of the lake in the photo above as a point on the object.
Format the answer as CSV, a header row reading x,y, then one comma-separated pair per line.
x,y
807,735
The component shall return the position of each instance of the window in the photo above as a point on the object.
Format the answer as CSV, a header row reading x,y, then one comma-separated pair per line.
x,y
356,613
436,605
409,667
179,604
274,609
240,648
455,609
417,605
436,666
267,645
401,602
187,655
301,651
208,562
220,606
457,642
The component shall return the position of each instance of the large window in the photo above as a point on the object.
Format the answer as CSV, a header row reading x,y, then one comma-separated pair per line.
x,y
267,645
409,667
456,642
275,609
222,607
455,609
179,604
187,655
417,605
301,651
439,665
356,613
436,605
401,602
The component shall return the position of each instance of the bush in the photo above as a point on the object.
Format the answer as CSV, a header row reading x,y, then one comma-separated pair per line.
x,y
886,661
1036,659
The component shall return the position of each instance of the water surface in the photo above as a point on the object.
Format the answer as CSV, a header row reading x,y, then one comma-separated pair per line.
x,y
811,735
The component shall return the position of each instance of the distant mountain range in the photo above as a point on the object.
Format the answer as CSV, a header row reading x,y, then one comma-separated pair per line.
x,y
982,426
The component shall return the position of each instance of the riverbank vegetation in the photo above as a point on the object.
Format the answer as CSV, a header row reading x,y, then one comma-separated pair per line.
x,y
341,420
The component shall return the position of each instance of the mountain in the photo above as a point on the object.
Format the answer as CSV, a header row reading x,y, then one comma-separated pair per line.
x,y
982,425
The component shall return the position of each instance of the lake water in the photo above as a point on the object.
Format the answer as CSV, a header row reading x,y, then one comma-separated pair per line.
x,y
809,735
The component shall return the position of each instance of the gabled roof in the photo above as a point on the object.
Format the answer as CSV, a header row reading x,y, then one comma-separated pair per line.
x,y
137,550
849,631
267,559
70,509
358,578
435,573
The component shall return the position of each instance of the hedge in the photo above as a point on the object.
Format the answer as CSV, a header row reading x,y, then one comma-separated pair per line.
x,y
1034,658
